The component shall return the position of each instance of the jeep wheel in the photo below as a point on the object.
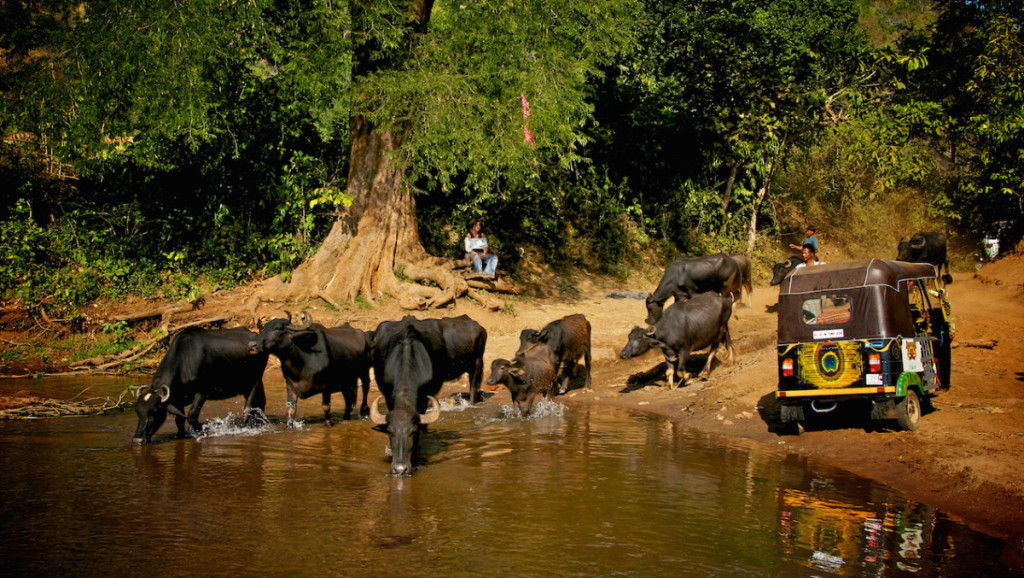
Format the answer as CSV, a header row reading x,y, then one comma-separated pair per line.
x,y
908,411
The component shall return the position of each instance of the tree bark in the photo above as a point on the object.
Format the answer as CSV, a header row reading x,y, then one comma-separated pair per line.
x,y
729,186
374,239
377,236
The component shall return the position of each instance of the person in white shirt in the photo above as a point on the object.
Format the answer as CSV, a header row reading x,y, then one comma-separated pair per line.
x,y
477,249
807,253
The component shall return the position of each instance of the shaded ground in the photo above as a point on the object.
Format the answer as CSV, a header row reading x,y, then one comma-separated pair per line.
x,y
966,456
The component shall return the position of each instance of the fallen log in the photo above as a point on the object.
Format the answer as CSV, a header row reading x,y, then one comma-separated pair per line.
x,y
981,343
208,321
108,361
161,312
105,362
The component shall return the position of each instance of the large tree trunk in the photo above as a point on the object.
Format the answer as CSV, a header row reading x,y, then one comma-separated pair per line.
x,y
376,237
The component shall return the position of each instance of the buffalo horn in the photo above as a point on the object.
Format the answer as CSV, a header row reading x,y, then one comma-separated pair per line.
x,y
375,415
138,392
306,322
917,242
432,414
289,314
165,393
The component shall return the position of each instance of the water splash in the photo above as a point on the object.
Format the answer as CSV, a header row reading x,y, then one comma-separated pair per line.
x,y
541,409
232,425
454,403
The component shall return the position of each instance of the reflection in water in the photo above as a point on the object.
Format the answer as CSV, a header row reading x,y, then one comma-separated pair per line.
x,y
569,490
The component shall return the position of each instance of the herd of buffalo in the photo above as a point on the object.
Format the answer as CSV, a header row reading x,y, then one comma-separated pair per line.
x,y
412,358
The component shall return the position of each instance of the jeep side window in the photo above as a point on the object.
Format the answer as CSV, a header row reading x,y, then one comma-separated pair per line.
x,y
826,310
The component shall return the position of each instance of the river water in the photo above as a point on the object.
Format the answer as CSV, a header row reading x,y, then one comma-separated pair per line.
x,y
572,491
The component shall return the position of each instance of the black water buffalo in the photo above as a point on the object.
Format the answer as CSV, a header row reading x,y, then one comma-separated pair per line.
x,y
687,277
409,362
569,340
465,341
318,360
744,264
200,365
685,327
925,247
533,372
782,270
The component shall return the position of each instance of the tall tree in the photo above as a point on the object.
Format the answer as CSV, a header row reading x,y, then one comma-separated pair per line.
x,y
734,84
483,94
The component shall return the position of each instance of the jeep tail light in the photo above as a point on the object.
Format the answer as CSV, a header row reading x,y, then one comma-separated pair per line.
x,y
787,368
874,363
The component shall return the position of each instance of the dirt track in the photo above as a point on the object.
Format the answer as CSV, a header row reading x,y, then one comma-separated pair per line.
x,y
966,456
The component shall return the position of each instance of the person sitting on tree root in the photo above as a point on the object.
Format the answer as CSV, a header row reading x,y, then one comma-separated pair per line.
x,y
477,249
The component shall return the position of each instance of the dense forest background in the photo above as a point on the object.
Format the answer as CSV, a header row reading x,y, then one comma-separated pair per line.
x,y
160,148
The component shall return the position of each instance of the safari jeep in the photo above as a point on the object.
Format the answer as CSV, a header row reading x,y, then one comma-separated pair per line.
x,y
870,330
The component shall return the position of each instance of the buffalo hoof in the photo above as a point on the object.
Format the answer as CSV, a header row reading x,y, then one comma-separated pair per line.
x,y
329,422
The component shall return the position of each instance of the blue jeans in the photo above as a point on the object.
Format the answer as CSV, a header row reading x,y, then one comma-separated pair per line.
x,y
487,264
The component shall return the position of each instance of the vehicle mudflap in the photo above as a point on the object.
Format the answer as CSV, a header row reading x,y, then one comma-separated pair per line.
x,y
883,409
790,413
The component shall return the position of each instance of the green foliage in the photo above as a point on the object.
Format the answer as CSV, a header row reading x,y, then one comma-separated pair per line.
x,y
120,332
208,140
230,126
997,125
461,99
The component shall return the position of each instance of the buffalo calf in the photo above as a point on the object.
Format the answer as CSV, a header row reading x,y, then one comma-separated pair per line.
x,y
569,340
532,373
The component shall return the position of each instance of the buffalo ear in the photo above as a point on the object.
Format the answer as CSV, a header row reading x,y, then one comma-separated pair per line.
x,y
517,372
382,428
